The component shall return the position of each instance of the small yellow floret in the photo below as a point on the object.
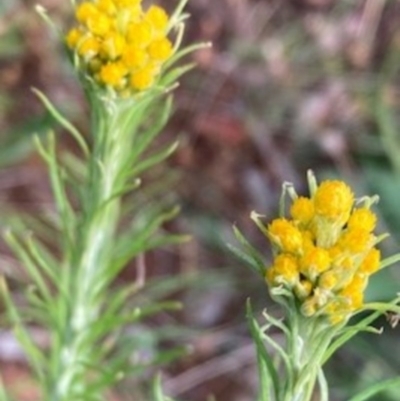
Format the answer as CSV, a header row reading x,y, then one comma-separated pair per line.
x,y
160,49
329,280
336,311
112,74
107,6
362,219
284,234
143,78
99,24
157,17
315,261
88,47
139,34
371,262
113,45
302,210
73,37
126,3
85,11
285,270
354,292
333,200
355,241
134,57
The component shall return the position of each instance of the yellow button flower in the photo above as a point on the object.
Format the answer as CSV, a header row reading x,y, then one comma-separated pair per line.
x,y
324,251
107,6
144,78
73,37
139,34
355,240
329,280
113,45
112,74
134,57
160,49
127,3
302,210
99,24
363,219
354,292
371,262
333,200
285,270
129,44
284,234
157,17
88,47
315,261
85,11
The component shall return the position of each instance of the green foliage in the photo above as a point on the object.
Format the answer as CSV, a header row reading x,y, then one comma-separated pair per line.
x,y
104,219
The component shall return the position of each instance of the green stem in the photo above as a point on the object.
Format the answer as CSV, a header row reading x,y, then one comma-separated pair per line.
x,y
307,344
93,249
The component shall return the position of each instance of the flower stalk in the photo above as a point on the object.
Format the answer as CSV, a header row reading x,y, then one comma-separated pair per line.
x,y
95,240
324,254
125,60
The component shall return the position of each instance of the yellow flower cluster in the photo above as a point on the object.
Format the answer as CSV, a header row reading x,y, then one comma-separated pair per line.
x,y
121,45
325,253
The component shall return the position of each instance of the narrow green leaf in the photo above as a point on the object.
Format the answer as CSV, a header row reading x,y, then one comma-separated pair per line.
x,y
136,239
174,74
376,388
259,264
62,121
145,139
382,307
157,390
44,259
390,261
323,386
41,149
36,358
154,159
186,50
267,371
108,323
244,257
28,263
64,208
347,334
176,13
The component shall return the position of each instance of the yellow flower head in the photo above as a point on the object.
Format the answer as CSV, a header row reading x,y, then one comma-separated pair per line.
x,y
370,264
88,47
285,235
284,271
333,200
302,210
315,261
157,17
324,253
355,240
129,43
143,78
362,219
112,74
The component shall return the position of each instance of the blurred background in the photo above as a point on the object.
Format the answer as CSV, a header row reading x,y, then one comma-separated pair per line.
x,y
288,85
